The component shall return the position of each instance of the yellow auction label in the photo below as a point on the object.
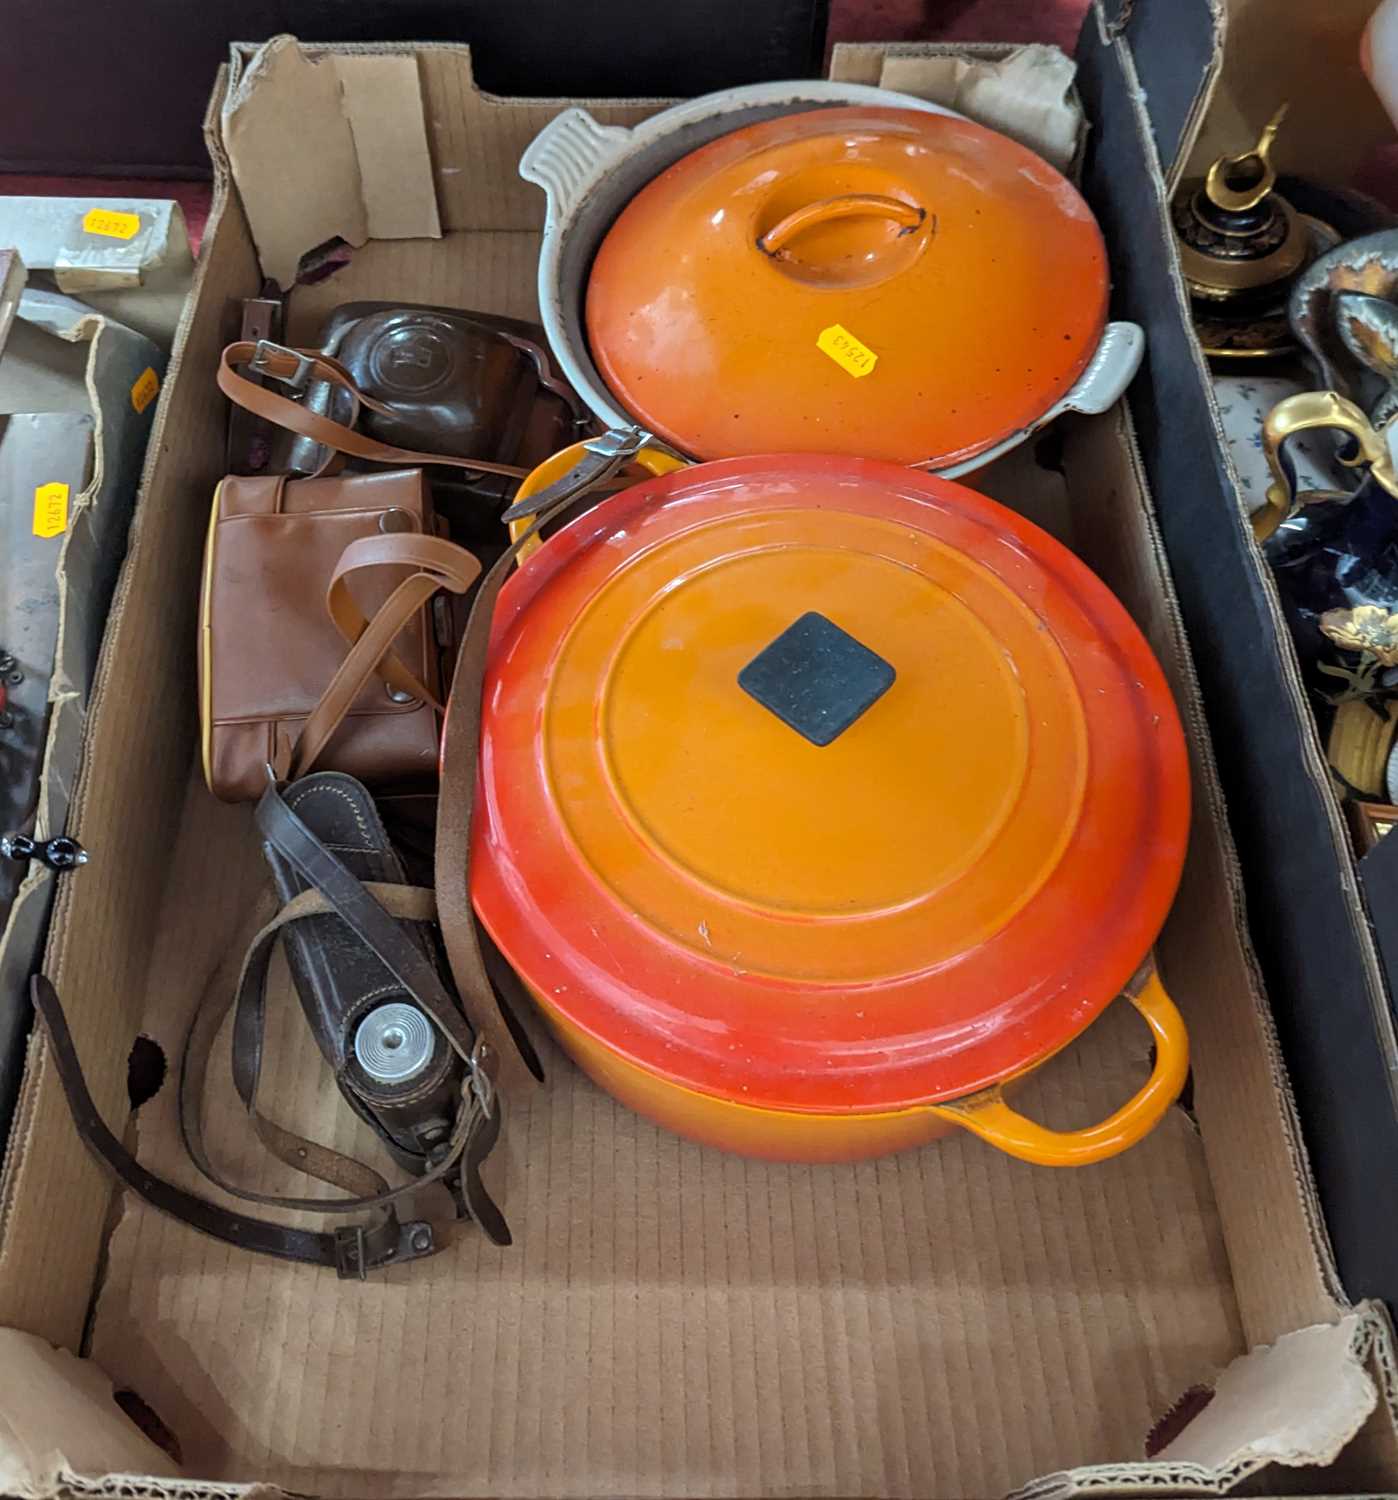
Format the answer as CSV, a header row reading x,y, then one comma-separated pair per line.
x,y
840,344
146,389
51,509
111,222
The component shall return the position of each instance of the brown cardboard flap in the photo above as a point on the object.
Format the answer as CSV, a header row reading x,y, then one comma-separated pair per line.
x,y
1298,1401
323,146
58,1420
364,165
382,101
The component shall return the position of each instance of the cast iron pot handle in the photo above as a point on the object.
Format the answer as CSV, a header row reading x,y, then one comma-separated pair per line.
x,y
987,1115
847,206
567,155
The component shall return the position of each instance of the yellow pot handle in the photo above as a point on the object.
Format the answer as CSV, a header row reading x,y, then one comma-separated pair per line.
x,y
987,1115
652,460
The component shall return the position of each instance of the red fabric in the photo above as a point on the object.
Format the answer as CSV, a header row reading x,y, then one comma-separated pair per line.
x,y
1055,21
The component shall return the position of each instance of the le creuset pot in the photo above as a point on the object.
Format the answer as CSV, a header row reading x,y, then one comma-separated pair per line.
x,y
822,267
820,798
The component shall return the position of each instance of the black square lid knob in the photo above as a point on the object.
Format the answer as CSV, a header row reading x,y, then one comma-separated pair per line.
x,y
816,678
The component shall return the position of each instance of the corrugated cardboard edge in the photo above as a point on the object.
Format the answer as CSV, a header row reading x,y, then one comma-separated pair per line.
x,y
12,278
64,1407
1305,1180
295,108
77,1241
1117,29
1326,1372
58,1417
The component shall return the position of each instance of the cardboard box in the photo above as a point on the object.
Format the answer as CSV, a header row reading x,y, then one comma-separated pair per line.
x,y
671,1322
125,257
77,404
1325,923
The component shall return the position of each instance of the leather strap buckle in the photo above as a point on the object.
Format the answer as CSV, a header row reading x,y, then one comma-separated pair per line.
x,y
359,1251
620,442
351,1254
266,350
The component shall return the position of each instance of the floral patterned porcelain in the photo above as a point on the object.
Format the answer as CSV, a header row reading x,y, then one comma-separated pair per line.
x,y
1243,404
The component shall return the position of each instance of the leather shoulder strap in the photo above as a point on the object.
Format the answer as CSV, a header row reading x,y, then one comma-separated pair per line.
x,y
438,564
471,959
353,1250
296,367
356,1249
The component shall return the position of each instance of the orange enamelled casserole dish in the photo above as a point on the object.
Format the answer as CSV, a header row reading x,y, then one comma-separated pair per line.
x,y
819,800
884,279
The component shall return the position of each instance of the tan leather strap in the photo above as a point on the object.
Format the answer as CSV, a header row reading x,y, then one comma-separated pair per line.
x,y
439,564
452,566
479,981
301,365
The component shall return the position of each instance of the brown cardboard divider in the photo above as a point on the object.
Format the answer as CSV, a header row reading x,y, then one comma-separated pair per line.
x,y
671,1322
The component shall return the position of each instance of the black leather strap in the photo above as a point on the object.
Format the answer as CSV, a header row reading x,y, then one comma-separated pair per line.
x,y
356,1249
352,1252
205,1027
603,457
349,899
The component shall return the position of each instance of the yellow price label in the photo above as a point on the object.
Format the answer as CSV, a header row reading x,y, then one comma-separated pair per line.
x,y
146,389
111,222
853,358
51,509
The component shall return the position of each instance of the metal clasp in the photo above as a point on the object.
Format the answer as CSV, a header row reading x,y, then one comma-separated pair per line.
x,y
351,1257
482,1084
265,349
620,442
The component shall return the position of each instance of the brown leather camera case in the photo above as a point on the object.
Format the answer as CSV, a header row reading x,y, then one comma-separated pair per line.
x,y
268,647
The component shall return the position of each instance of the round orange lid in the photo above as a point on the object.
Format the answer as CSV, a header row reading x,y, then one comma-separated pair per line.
x,y
823,784
884,282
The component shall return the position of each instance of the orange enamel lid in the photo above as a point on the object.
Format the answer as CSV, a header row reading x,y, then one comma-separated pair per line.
x,y
885,282
823,784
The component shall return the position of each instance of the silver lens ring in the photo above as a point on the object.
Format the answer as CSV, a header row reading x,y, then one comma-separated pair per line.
x,y
394,1042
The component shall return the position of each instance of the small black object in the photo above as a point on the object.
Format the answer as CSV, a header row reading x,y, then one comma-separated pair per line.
x,y
61,853
816,678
